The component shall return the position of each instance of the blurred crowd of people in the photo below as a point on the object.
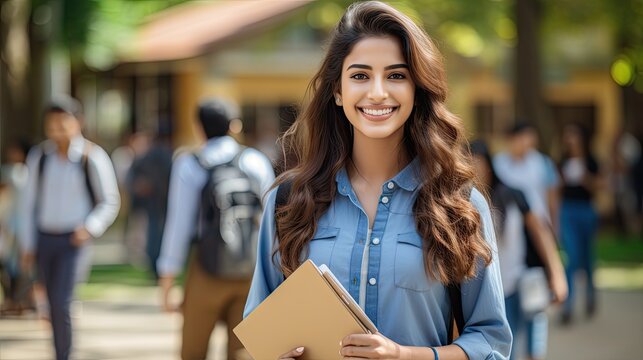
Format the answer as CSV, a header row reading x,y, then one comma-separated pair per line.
x,y
538,203
541,204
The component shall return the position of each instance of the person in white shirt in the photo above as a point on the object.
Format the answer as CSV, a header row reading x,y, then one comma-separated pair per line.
x,y
208,297
71,197
525,169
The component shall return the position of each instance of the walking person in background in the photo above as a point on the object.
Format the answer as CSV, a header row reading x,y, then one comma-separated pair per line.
x,y
211,292
578,220
71,197
380,191
511,215
525,169
15,283
148,180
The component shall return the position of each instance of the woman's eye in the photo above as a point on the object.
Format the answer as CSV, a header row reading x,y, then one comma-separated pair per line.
x,y
397,76
359,77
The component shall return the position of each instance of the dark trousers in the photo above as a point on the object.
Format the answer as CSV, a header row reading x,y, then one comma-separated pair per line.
x,y
57,260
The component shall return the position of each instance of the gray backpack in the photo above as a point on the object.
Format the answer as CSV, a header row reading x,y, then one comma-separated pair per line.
x,y
228,223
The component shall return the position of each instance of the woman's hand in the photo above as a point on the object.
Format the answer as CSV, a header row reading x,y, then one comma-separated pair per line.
x,y
371,346
558,287
292,354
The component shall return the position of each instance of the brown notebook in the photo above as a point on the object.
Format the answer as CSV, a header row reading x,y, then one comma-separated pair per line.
x,y
305,310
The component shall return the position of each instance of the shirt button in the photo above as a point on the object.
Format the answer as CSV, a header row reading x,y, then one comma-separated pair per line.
x,y
390,185
376,241
372,281
385,200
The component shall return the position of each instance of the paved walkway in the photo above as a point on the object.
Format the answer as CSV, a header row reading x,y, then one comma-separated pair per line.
x,y
126,323
132,327
128,328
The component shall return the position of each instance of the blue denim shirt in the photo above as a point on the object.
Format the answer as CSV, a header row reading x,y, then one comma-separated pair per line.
x,y
387,264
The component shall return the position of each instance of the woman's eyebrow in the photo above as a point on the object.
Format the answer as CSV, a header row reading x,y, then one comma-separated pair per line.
x,y
368,67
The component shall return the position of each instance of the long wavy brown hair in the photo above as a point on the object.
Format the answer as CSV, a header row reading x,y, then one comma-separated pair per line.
x,y
319,144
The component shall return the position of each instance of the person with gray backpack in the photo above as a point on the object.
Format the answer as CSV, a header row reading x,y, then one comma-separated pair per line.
x,y
215,202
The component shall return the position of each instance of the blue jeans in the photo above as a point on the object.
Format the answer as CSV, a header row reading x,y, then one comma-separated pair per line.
x,y
535,326
578,223
57,259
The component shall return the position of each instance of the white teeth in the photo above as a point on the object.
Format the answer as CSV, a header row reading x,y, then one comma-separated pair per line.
x,y
377,112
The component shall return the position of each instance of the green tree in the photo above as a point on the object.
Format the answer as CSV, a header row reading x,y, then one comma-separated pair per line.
x,y
87,32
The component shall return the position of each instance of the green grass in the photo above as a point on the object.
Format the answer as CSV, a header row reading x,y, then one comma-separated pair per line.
x,y
120,281
120,274
613,250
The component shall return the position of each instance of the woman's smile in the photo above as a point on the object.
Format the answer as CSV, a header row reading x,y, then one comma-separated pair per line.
x,y
377,113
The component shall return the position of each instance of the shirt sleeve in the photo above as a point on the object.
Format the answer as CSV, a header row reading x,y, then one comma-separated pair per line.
x,y
267,276
186,182
486,334
108,200
27,207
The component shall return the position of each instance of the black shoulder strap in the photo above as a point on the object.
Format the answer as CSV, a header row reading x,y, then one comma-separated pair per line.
x,y
41,168
456,315
455,297
84,162
282,194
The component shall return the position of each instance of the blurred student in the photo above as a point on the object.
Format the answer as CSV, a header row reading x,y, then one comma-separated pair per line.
x,y
526,169
71,197
625,155
210,192
511,216
148,182
578,219
135,224
15,283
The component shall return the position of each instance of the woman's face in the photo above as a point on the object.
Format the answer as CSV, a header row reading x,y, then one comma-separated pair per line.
x,y
377,92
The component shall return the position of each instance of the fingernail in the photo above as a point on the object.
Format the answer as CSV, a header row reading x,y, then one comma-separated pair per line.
x,y
300,349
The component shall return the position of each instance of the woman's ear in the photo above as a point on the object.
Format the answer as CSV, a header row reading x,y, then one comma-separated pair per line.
x,y
338,99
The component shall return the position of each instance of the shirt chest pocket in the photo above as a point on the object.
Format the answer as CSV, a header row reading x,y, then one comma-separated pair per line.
x,y
320,248
409,263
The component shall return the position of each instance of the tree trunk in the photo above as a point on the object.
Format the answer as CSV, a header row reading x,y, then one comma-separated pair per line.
x,y
529,105
13,72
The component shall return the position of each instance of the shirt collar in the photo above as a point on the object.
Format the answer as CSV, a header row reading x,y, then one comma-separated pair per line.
x,y
407,179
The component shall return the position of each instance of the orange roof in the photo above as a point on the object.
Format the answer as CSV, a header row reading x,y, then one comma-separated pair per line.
x,y
188,30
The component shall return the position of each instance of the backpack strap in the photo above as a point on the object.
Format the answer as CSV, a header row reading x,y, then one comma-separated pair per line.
x,y
234,161
283,192
39,175
456,317
84,162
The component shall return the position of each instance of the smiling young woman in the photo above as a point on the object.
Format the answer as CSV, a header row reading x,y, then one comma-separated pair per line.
x,y
380,192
